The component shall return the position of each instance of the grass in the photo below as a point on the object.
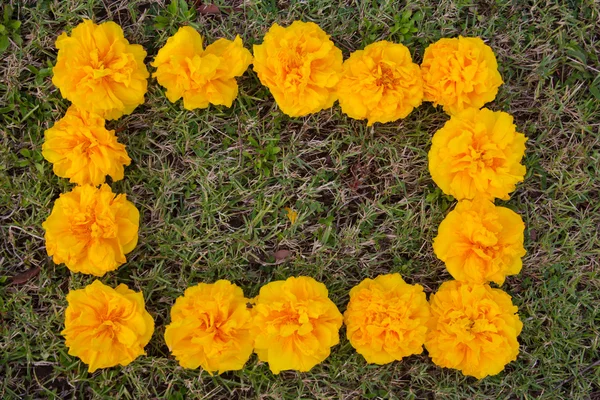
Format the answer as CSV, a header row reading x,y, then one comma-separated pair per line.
x,y
212,197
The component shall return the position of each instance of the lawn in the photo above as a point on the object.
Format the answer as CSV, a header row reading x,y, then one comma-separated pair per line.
x,y
212,190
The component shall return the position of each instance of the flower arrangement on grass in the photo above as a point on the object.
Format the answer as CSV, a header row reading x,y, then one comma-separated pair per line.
x,y
301,67
386,319
106,327
473,328
478,153
294,324
83,150
91,229
480,242
380,83
460,73
99,71
201,76
210,328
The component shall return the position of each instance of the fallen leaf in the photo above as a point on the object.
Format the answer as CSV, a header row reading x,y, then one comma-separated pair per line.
x,y
533,235
292,215
281,255
25,276
209,9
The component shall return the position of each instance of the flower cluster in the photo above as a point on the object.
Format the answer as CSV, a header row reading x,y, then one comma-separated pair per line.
x,y
91,229
294,324
475,157
210,328
105,327
460,73
301,67
99,71
200,76
380,83
480,242
473,328
477,153
83,150
386,319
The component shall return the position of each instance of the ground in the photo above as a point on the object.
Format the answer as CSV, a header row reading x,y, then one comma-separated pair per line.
x,y
212,189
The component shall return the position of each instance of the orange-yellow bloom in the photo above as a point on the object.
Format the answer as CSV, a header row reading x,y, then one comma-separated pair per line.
x,y
105,327
473,328
210,327
83,150
294,324
99,71
301,67
480,242
380,83
386,319
460,73
91,229
478,153
200,76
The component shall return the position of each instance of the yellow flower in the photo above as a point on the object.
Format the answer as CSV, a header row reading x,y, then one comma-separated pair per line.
x,y
90,230
473,328
210,327
82,150
460,73
480,242
477,153
301,67
380,83
386,319
291,214
105,327
295,324
200,76
99,71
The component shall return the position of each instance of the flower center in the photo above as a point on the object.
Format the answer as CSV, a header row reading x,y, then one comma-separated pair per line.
x,y
386,76
88,224
291,61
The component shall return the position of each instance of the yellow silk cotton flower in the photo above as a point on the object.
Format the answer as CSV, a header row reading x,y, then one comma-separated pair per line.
x,y
99,71
83,150
200,76
294,324
105,327
473,328
480,242
386,319
460,73
380,83
210,327
301,67
91,229
477,153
